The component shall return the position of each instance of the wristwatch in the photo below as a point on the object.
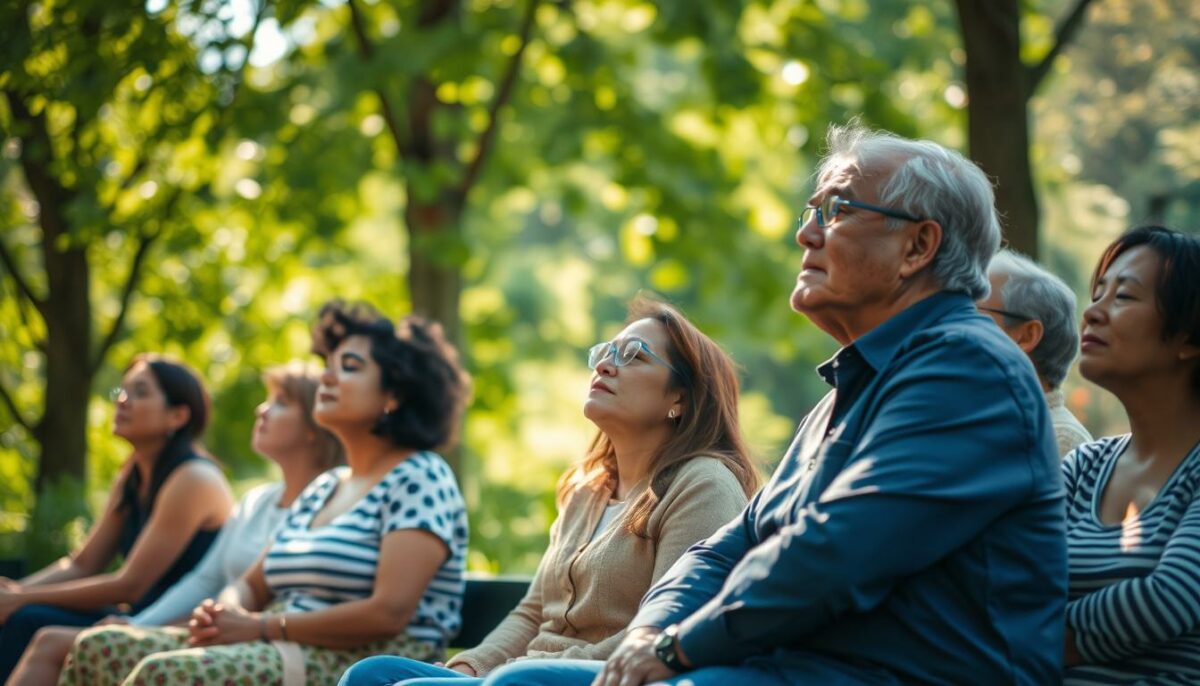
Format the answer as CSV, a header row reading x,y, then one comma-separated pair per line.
x,y
665,648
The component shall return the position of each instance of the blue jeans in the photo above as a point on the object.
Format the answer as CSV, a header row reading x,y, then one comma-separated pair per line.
x,y
582,672
18,631
385,670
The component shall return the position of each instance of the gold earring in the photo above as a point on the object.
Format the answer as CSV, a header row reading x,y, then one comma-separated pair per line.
x,y
671,413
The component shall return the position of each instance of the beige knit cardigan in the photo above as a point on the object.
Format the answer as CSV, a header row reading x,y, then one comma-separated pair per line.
x,y
585,593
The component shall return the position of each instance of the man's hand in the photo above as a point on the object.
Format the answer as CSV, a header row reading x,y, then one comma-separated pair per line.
x,y
634,663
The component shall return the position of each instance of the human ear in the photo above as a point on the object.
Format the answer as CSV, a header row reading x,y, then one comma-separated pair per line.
x,y
178,417
921,247
1028,335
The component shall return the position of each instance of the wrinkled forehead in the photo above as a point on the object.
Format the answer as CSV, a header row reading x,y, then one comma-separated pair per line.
x,y
853,177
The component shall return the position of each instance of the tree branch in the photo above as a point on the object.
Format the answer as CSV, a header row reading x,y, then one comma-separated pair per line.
x,y
23,288
131,282
367,51
12,409
1062,37
503,94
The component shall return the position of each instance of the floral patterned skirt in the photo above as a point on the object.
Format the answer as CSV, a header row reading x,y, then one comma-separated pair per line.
x,y
156,656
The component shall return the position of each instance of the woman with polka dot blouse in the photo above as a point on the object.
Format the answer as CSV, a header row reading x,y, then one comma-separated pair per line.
x,y
370,558
667,468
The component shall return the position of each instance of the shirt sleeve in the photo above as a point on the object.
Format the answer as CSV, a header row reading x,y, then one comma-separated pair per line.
x,y
698,574
918,468
1133,616
425,496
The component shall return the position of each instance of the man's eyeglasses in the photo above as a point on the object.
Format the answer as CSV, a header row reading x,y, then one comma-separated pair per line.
x,y
623,354
1006,313
828,209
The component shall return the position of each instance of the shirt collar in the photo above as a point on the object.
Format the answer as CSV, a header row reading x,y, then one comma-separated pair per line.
x,y
1056,398
880,344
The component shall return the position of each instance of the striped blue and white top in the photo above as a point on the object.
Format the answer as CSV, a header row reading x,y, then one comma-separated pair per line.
x,y
1134,587
310,569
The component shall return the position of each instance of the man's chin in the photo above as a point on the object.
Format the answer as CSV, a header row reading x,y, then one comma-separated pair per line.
x,y
802,300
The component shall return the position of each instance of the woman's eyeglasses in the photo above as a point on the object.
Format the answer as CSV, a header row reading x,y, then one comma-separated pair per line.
x,y
623,354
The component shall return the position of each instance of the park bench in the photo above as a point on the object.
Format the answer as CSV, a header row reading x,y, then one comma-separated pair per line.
x,y
487,600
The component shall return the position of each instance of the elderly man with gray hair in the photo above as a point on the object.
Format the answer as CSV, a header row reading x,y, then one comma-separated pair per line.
x,y
1037,311
914,531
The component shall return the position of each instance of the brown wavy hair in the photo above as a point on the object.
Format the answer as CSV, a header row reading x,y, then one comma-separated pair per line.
x,y
707,427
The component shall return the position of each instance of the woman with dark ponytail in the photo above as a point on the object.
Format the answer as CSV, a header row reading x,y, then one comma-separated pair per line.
x,y
164,510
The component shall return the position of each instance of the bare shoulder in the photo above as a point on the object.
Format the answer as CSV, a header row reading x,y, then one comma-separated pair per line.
x,y
196,478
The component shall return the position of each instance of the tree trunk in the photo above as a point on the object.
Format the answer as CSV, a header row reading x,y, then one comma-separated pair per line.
x,y
434,277
997,113
61,432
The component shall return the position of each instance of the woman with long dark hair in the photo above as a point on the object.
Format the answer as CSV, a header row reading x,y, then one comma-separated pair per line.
x,y
165,508
666,468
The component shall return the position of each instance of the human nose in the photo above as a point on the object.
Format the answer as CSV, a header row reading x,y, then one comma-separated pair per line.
x,y
1095,313
607,365
328,377
809,234
260,410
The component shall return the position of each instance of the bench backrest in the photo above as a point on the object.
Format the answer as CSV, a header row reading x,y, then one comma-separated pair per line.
x,y
487,601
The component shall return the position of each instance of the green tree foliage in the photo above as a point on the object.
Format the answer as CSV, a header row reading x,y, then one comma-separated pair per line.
x,y
516,168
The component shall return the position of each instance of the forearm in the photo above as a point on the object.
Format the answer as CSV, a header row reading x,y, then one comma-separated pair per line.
x,y
84,594
343,626
61,570
509,640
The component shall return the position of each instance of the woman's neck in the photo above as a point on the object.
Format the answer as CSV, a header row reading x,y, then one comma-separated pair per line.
x,y
635,451
145,454
297,474
369,456
1164,418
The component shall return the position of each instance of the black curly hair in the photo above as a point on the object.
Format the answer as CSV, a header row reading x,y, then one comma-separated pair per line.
x,y
417,364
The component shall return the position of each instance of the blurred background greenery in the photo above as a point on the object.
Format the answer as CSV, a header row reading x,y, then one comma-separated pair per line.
x,y
198,176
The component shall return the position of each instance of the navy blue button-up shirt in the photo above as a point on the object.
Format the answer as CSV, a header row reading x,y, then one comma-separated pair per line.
x,y
914,532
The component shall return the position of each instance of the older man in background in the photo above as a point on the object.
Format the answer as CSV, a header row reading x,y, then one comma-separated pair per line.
x,y
1037,311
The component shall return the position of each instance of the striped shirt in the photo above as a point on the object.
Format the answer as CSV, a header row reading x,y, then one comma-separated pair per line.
x,y
309,569
1135,586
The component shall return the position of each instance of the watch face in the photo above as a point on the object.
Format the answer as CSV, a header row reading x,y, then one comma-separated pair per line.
x,y
664,649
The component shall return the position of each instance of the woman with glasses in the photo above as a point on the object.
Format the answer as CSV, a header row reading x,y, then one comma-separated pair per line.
x,y
286,433
666,468
1133,501
164,511
370,557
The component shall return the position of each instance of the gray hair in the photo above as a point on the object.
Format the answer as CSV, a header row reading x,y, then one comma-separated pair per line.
x,y
1031,291
928,180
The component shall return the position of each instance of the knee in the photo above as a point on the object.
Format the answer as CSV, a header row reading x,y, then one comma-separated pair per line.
x,y
380,670
524,673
